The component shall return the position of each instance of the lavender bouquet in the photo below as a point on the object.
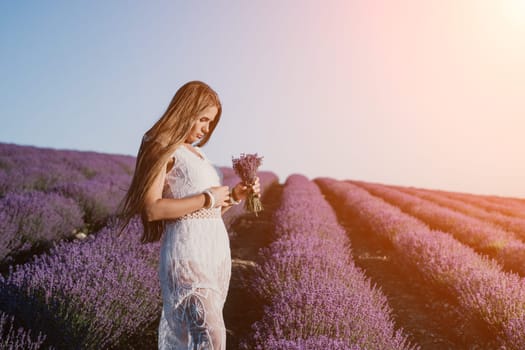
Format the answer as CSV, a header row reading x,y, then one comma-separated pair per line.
x,y
246,168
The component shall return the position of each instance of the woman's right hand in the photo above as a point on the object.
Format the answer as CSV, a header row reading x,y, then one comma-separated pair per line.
x,y
221,195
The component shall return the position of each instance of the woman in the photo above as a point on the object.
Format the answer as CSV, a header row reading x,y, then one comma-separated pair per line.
x,y
178,194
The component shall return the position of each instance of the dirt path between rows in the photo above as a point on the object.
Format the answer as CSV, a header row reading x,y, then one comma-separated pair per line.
x,y
248,234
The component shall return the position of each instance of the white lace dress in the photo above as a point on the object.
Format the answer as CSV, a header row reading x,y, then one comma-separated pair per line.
x,y
195,262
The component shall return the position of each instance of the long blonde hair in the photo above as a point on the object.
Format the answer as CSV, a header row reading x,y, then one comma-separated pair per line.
x,y
158,145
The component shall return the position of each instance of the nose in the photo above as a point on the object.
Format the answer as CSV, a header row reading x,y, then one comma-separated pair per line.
x,y
205,129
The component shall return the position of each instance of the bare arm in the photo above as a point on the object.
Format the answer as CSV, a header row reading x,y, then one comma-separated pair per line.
x,y
158,208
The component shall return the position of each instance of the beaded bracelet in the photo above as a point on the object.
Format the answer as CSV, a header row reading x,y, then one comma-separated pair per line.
x,y
212,199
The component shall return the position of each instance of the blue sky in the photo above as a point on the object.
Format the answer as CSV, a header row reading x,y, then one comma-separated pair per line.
x,y
415,93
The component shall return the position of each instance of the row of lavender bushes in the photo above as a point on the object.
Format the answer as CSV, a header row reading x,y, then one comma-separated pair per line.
x,y
17,338
90,294
35,219
485,238
505,205
47,195
479,285
26,168
95,293
505,215
315,297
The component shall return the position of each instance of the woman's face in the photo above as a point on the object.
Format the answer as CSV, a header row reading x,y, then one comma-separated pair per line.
x,y
201,125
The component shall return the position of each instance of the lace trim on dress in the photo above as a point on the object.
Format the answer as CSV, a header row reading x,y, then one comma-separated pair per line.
x,y
201,214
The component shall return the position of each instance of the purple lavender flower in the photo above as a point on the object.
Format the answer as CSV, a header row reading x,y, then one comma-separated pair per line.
x,y
25,168
30,219
29,168
312,343
11,339
98,197
90,294
310,284
246,168
267,179
484,237
479,284
502,213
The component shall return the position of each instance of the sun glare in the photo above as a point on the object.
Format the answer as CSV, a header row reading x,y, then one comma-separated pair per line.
x,y
514,12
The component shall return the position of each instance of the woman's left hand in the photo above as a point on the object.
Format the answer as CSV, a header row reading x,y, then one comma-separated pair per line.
x,y
241,191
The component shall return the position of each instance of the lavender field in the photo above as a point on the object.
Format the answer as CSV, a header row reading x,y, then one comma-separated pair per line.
x,y
329,264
